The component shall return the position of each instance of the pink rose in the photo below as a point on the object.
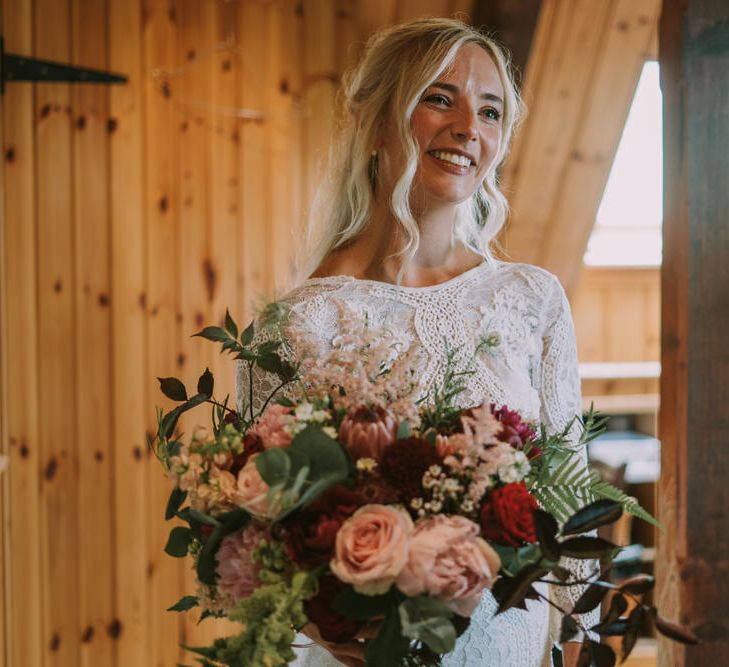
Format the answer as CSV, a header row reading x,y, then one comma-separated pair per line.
x,y
252,491
449,561
372,547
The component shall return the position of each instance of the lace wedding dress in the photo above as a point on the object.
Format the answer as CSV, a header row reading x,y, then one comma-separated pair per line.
x,y
530,366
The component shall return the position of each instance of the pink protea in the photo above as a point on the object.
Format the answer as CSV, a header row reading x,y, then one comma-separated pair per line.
x,y
271,426
367,432
238,575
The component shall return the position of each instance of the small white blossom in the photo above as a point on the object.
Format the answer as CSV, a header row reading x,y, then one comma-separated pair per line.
x,y
304,411
366,464
330,431
509,474
319,416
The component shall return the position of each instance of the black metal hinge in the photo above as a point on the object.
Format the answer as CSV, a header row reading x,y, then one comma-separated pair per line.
x,y
21,68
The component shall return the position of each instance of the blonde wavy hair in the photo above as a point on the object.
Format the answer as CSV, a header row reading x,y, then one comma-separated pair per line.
x,y
398,64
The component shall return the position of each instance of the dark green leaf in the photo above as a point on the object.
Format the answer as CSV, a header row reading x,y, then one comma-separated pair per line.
x,y
270,363
169,421
230,326
596,514
285,401
546,528
229,523
216,334
203,518
593,596
178,542
389,647
184,604
177,497
639,584
352,604
205,383
247,336
511,591
403,430
173,389
586,547
173,447
561,573
569,629
267,347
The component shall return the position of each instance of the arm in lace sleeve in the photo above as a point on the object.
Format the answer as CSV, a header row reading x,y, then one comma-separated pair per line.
x,y
560,398
253,384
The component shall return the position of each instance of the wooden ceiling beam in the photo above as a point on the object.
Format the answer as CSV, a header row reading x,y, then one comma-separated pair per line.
x,y
579,84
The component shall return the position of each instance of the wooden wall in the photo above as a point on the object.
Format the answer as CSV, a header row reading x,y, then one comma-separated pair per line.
x,y
132,216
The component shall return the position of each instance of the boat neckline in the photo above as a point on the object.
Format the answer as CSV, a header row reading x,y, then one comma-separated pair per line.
x,y
406,288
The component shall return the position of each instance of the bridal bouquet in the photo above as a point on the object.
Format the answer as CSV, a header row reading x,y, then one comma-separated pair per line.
x,y
346,500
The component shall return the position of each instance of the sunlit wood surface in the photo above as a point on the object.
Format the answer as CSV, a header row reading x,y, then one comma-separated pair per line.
x,y
580,79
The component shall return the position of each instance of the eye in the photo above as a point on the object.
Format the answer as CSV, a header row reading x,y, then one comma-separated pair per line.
x,y
438,99
491,113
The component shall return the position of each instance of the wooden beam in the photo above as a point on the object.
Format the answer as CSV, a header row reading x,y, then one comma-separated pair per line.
x,y
694,496
513,23
579,84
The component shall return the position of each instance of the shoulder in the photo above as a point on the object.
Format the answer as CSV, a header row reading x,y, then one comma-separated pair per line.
x,y
539,282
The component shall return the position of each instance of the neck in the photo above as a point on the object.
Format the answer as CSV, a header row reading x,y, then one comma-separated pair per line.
x,y
374,254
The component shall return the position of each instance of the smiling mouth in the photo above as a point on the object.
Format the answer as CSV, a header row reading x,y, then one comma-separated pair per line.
x,y
451,158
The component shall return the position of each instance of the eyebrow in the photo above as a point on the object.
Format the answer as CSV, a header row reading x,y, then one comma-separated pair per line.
x,y
454,89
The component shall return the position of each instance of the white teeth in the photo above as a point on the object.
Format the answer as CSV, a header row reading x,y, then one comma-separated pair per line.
x,y
460,160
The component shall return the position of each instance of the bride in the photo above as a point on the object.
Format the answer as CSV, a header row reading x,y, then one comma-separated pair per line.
x,y
412,208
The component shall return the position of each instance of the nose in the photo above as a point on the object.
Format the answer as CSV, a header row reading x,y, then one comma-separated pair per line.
x,y
464,127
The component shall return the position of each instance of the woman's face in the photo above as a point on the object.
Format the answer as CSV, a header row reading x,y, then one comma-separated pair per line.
x,y
457,128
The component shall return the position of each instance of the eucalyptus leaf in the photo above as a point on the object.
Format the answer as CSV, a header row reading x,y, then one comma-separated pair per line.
x,y
427,619
173,388
273,466
403,430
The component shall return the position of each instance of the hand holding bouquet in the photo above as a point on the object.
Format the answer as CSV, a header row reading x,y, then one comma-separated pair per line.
x,y
349,500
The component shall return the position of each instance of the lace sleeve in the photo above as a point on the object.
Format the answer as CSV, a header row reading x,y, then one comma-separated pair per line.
x,y
560,398
253,384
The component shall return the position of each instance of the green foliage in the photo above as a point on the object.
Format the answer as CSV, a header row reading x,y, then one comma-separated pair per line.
x,y
178,543
571,486
227,524
428,620
184,604
269,616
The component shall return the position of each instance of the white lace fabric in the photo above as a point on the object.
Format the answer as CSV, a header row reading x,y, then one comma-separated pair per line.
x,y
530,366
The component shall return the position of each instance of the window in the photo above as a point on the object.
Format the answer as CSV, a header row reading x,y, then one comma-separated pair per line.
x,y
627,229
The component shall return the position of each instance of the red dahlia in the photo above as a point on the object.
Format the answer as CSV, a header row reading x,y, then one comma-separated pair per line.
x,y
404,463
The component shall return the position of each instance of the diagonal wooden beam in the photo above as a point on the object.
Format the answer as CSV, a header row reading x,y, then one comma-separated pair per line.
x,y
579,84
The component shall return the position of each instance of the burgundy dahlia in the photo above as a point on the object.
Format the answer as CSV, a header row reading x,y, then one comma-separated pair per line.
x,y
404,463
516,432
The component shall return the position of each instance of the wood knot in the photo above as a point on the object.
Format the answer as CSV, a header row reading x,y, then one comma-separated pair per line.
x,y
164,204
87,635
98,456
55,642
10,154
115,628
81,122
111,125
51,467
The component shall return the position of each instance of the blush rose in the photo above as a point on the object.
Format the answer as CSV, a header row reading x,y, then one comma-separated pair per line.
x,y
372,548
449,561
252,492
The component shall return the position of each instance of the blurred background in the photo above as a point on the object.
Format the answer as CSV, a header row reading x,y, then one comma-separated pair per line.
x,y
133,214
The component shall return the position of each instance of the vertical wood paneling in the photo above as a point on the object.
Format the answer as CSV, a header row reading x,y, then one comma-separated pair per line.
x,y
56,331
23,583
254,267
164,575
130,374
224,185
92,283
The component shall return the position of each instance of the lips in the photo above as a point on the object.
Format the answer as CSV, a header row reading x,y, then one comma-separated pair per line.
x,y
453,156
